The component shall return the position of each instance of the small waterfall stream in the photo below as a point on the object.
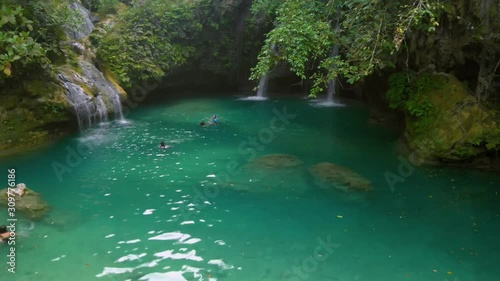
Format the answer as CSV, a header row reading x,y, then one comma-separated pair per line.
x,y
261,92
91,94
264,80
332,91
105,87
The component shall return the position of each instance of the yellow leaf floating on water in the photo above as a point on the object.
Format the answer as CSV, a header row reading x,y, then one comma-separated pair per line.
x,y
450,273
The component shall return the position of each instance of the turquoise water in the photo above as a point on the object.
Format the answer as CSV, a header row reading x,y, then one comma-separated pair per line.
x,y
126,210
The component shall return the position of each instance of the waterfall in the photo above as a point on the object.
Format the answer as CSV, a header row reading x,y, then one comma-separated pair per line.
x,y
85,28
92,96
92,108
106,89
102,110
264,80
81,102
263,86
332,91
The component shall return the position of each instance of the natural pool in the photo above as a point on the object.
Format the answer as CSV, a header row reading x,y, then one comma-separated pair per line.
x,y
130,211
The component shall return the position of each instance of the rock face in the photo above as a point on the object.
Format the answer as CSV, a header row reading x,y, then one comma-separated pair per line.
x,y
340,177
458,127
276,161
29,202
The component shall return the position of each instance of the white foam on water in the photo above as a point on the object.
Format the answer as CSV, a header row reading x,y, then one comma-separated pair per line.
x,y
170,276
131,257
221,264
326,103
169,254
114,270
253,98
171,236
190,241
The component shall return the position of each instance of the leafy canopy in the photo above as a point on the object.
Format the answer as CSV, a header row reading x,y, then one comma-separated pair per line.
x,y
369,34
148,41
17,48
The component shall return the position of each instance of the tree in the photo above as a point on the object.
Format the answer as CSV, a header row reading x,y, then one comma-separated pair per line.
x,y
369,33
17,48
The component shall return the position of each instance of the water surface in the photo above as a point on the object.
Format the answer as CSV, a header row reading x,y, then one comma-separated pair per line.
x,y
126,210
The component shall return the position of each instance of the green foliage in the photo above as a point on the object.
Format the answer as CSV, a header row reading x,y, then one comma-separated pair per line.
x,y
302,32
17,48
108,6
150,40
406,93
50,19
492,140
369,34
92,5
216,47
53,107
266,7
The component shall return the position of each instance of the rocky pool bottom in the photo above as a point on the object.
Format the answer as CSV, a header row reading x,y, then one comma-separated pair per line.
x,y
280,190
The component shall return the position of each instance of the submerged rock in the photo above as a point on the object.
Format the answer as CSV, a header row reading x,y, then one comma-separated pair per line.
x,y
340,177
276,161
26,201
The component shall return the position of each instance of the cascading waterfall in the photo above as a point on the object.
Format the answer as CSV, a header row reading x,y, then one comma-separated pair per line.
x,y
263,86
332,91
261,92
106,89
332,84
81,103
102,97
102,110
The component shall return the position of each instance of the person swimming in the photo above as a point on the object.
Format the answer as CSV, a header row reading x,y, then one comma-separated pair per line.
x,y
163,145
215,120
4,233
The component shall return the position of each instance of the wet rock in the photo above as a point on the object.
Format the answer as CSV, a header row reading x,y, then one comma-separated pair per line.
x,y
26,201
78,48
340,177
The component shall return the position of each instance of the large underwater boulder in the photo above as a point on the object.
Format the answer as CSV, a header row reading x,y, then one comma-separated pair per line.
x,y
340,177
275,161
26,201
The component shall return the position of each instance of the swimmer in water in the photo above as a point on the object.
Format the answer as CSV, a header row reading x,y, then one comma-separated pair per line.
x,y
4,233
215,120
163,145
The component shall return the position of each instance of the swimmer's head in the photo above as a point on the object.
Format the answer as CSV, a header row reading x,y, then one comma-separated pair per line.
x,y
3,229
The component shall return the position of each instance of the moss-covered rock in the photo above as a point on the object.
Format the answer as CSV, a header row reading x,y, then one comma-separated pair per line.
x,y
457,128
275,161
340,177
33,114
28,202
112,78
